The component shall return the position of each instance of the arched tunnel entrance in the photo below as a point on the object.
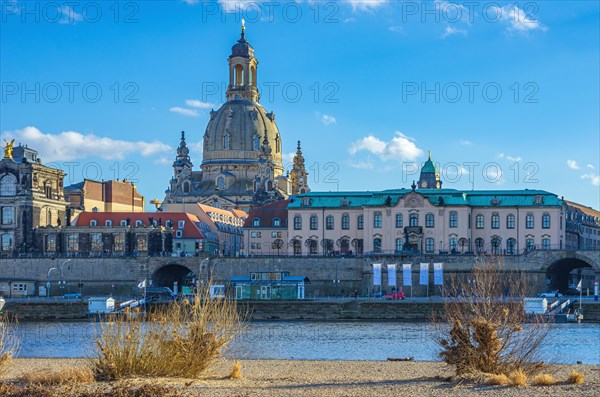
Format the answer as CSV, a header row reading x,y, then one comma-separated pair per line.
x,y
565,274
174,277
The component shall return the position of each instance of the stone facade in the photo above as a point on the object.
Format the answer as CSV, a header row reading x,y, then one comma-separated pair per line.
x,y
31,196
105,196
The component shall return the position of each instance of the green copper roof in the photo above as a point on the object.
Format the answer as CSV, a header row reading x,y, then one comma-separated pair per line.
x,y
429,166
447,197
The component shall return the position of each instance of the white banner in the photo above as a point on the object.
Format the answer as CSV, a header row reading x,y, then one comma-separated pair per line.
x,y
407,274
376,273
424,274
438,274
392,275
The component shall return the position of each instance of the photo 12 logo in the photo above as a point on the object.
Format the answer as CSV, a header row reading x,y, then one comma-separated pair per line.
x,y
469,92
273,91
268,11
70,92
69,12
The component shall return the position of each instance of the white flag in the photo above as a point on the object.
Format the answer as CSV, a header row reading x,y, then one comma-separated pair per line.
x,y
579,285
424,274
376,273
392,275
438,274
407,274
142,284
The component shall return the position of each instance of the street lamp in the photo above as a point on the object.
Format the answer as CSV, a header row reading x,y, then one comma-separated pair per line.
x,y
59,268
203,273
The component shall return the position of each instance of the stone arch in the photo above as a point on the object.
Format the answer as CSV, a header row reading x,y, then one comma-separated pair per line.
x,y
558,273
168,275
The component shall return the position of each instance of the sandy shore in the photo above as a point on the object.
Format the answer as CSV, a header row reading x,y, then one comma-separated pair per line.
x,y
332,378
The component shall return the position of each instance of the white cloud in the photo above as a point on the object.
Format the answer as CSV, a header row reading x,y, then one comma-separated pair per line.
x,y
494,175
366,5
591,167
396,29
69,16
514,159
517,19
572,164
465,142
163,161
400,147
184,111
287,158
450,31
326,119
70,145
595,179
362,165
198,104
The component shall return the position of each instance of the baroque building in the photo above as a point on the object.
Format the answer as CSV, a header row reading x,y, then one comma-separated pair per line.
x,y
31,195
242,150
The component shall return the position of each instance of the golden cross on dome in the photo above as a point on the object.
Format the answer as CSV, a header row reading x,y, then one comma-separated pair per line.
x,y
243,24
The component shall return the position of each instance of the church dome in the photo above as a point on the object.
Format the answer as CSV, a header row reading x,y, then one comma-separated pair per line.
x,y
236,131
242,48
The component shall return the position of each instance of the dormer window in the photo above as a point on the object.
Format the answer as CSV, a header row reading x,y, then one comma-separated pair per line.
x,y
538,200
179,233
108,223
256,222
180,224
93,223
138,223
276,222
123,222
306,201
169,224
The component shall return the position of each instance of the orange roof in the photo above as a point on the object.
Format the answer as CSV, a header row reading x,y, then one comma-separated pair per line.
x,y
267,212
190,227
586,210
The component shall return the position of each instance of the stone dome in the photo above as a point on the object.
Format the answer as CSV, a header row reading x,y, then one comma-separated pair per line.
x,y
242,48
236,131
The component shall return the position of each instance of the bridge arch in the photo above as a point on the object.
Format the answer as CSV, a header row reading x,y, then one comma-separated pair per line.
x,y
569,270
174,276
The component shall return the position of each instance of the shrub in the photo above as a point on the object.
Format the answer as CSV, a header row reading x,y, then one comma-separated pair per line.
x,y
71,376
498,380
575,378
543,380
483,323
179,340
8,342
518,378
236,371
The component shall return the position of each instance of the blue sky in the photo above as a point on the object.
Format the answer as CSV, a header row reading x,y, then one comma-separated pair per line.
x,y
504,97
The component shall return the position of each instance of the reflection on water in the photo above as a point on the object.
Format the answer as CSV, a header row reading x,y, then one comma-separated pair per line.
x,y
566,343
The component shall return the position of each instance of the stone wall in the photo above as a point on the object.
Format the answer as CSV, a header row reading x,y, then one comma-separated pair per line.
x,y
36,311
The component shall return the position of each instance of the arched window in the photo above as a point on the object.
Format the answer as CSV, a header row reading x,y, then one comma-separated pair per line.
x,y
255,142
256,222
453,244
253,75
530,244
546,221
108,223
226,142
377,245
377,220
496,244
399,243
529,223
399,220
329,222
186,187
430,220
314,222
510,221
479,221
221,183
93,223
8,185
239,73
546,243
429,245
297,222
360,222
479,245
495,221
414,219
312,246
345,221
276,222
463,243
510,246
453,221
138,223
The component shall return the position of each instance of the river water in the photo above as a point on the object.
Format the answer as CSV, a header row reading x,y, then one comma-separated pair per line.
x,y
566,343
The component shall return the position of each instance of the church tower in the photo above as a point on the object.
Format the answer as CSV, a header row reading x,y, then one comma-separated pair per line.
x,y
242,71
182,168
298,174
430,176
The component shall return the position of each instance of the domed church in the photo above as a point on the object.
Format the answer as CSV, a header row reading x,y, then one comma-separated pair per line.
x,y
242,156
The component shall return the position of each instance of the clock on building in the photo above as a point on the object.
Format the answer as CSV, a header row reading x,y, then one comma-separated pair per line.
x,y
424,184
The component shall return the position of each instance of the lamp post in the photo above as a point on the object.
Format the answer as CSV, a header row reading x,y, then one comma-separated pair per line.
x,y
201,280
59,268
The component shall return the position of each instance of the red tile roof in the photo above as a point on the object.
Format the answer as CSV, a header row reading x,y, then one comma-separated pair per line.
x,y
190,227
266,213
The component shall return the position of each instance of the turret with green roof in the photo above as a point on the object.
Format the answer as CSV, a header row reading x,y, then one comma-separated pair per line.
x,y
430,175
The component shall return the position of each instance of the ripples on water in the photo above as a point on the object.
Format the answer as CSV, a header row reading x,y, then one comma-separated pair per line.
x,y
566,343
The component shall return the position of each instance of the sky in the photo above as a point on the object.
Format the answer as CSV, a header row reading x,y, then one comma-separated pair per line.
x,y
505,95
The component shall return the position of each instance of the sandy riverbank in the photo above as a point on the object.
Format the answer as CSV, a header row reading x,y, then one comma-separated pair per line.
x,y
331,378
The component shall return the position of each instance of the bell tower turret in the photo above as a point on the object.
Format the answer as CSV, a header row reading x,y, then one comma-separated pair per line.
x,y
242,71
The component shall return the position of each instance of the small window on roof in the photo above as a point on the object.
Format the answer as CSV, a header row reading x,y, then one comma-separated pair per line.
x,y
108,223
256,222
180,224
93,222
123,222
179,233
276,222
306,201
169,224
138,223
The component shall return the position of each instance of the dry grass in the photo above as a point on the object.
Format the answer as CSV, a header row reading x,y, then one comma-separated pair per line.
x,y
236,371
518,378
543,380
116,390
8,342
575,378
498,380
181,339
71,376
486,317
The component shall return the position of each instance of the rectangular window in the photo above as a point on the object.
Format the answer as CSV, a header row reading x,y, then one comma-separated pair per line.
x,y
529,222
453,219
72,242
345,222
399,221
8,215
180,224
329,223
510,222
360,222
273,234
546,221
96,240
479,222
297,222
429,245
495,222
377,220
314,222
119,244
